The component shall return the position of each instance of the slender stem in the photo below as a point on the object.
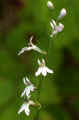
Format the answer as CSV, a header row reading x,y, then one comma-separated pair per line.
x,y
39,91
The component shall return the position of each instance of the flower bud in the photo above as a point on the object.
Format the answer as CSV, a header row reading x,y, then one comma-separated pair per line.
x,y
50,5
63,13
60,27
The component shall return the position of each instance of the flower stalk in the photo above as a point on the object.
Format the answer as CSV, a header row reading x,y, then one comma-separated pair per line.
x,y
42,70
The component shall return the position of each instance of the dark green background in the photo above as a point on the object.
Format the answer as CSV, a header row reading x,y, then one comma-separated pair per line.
x,y
59,93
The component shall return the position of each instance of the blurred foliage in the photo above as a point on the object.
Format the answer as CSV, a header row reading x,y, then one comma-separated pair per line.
x,y
59,93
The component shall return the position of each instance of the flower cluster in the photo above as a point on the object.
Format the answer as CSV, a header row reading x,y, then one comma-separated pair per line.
x,y
56,25
42,69
30,87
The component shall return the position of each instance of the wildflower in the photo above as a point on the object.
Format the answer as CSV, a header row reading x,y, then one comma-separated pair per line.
x,y
25,107
30,47
56,28
43,69
63,13
29,87
50,5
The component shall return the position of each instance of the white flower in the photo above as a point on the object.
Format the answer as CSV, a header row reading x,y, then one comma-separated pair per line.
x,y
29,87
50,5
56,28
63,13
25,107
60,27
30,47
43,69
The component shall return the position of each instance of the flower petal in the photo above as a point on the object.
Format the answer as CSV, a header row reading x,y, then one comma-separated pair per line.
x,y
60,27
49,70
39,63
54,33
27,91
27,81
27,111
24,80
44,72
24,49
22,108
38,71
52,26
32,87
54,23
23,93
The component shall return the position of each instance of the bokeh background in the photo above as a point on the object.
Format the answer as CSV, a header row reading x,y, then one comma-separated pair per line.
x,y
58,93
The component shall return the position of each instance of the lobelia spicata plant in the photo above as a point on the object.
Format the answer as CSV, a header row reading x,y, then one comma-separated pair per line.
x,y
57,27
